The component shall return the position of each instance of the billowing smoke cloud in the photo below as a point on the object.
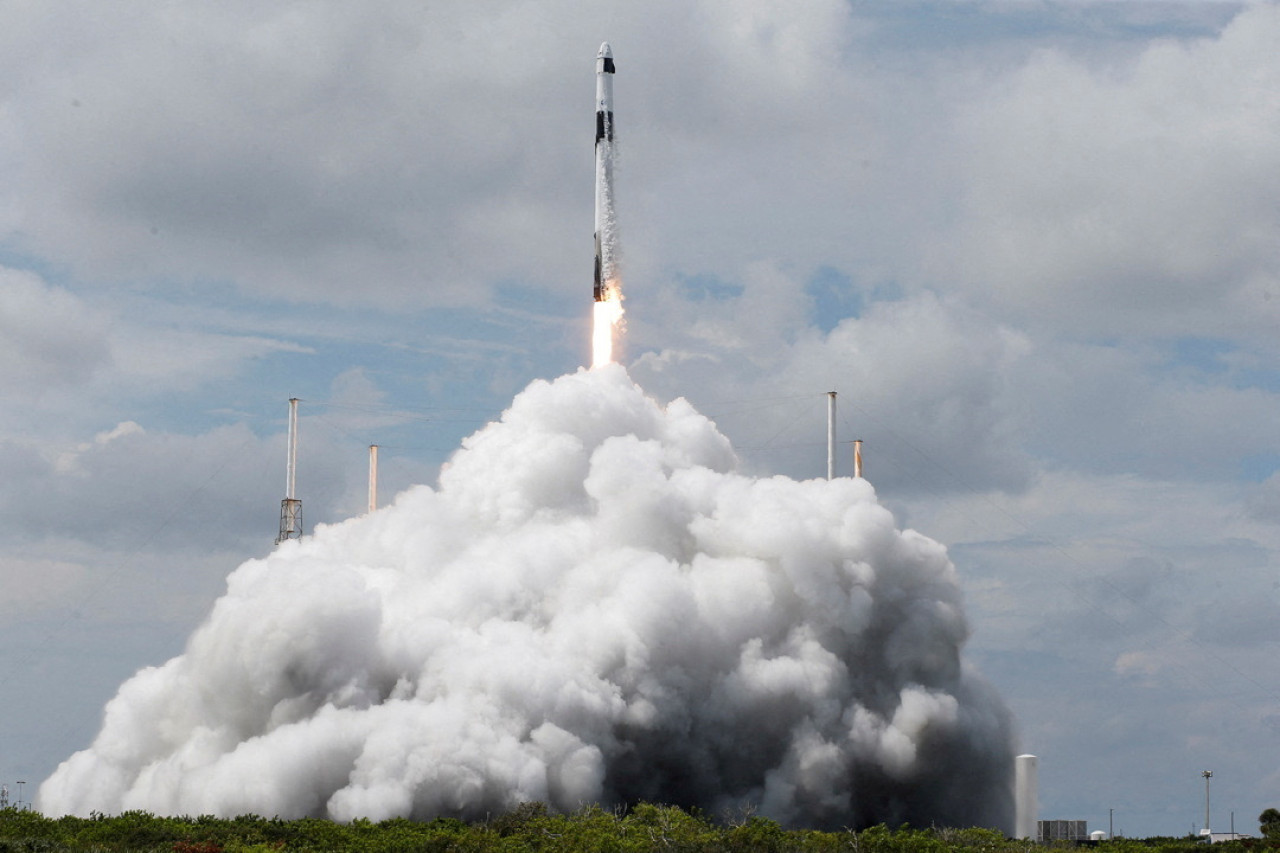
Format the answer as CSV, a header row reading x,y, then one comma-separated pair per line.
x,y
592,607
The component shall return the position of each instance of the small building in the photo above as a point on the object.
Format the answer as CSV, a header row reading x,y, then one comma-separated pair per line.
x,y
1220,837
1062,830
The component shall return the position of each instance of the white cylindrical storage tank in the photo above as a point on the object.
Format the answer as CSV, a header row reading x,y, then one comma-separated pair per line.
x,y
1098,835
1025,796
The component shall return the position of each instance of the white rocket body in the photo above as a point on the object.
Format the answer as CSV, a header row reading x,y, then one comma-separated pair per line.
x,y
605,265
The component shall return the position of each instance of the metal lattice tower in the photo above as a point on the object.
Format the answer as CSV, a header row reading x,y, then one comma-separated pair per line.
x,y
291,507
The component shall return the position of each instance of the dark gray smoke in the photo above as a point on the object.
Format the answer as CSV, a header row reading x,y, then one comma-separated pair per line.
x,y
592,607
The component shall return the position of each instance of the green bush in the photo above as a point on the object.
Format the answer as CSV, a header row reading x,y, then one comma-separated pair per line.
x,y
529,828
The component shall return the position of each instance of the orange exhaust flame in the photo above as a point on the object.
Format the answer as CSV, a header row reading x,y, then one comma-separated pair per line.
x,y
607,318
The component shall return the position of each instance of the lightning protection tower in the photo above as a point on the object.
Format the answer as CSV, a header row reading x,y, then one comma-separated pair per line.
x,y
291,507
831,435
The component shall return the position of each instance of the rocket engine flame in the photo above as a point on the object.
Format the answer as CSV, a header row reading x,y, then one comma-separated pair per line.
x,y
592,606
606,323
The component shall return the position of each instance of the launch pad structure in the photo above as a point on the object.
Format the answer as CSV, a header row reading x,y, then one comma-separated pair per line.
x,y
291,507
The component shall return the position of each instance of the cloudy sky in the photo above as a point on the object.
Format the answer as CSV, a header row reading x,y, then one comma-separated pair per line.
x,y
1033,245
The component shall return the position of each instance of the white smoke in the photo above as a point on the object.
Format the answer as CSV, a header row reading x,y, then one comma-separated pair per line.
x,y
592,607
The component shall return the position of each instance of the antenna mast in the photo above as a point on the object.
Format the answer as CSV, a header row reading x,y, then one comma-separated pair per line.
x,y
831,435
291,507
373,477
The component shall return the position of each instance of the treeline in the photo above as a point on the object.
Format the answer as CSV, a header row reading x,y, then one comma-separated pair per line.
x,y
529,828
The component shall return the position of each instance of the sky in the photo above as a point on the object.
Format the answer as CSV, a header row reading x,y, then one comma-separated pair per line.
x,y
1032,245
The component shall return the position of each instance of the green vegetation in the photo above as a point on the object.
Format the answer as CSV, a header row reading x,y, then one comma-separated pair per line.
x,y
1269,823
529,828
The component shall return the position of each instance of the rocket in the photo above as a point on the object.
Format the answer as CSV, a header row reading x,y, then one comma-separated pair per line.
x,y
605,267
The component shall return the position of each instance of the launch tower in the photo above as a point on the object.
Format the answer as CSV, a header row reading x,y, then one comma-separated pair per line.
x,y
291,507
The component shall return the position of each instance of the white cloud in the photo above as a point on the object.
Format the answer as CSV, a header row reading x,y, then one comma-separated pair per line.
x,y
151,357
34,584
319,152
48,337
1129,197
130,487
923,381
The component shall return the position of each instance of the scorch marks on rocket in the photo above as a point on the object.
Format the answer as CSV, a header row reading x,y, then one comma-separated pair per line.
x,y
608,286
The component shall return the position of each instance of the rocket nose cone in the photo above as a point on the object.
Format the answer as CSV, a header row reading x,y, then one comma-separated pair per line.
x,y
606,52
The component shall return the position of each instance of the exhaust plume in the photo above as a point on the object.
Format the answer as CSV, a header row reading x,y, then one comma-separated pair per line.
x,y
592,606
